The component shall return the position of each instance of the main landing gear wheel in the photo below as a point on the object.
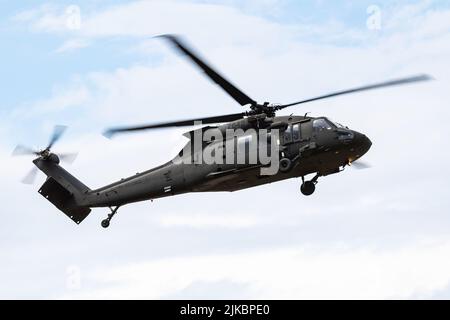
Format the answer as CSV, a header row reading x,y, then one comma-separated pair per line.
x,y
106,222
308,188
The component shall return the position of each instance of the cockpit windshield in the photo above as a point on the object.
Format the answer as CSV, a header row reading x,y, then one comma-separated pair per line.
x,y
322,124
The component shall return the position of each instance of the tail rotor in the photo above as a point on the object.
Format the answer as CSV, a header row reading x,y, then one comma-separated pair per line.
x,y
45,154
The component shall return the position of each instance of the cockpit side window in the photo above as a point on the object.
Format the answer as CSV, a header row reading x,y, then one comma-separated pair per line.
x,y
287,136
322,124
296,132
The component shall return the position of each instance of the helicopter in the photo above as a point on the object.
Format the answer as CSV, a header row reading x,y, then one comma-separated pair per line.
x,y
303,146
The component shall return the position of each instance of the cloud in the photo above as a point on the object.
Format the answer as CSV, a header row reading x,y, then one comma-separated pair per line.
x,y
415,270
52,18
149,18
239,23
64,98
209,221
72,44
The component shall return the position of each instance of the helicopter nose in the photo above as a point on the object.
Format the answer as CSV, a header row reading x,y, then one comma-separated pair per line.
x,y
361,142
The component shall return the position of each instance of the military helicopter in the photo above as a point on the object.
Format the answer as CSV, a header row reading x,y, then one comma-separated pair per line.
x,y
306,146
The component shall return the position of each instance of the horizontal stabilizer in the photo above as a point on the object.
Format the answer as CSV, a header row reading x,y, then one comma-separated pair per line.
x,y
63,200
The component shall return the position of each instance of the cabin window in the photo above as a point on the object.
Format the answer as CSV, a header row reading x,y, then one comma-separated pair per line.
x,y
305,129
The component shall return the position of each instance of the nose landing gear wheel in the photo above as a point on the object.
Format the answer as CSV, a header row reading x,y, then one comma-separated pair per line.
x,y
308,188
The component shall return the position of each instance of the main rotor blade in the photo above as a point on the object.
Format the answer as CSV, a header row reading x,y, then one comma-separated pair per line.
x,y
217,119
58,131
226,85
21,150
365,88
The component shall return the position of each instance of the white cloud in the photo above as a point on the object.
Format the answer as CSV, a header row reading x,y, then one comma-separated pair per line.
x,y
47,18
209,220
75,95
150,18
416,270
72,44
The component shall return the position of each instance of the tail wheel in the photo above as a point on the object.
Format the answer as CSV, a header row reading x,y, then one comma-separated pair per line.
x,y
105,223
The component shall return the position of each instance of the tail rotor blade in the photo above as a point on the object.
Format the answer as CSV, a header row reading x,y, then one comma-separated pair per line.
x,y
68,157
21,150
58,131
30,177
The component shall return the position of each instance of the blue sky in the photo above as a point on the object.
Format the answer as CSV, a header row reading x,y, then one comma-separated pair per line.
x,y
31,60
33,63
354,239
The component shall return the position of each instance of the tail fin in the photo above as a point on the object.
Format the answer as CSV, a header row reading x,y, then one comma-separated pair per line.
x,y
63,190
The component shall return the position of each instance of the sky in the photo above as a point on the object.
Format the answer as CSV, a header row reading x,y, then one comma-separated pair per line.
x,y
380,233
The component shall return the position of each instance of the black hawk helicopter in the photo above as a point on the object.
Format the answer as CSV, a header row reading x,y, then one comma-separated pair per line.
x,y
307,145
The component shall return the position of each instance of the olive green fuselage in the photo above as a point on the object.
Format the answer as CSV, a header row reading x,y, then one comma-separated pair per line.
x,y
323,149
